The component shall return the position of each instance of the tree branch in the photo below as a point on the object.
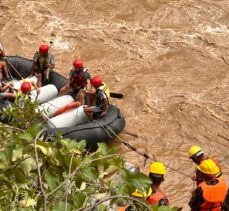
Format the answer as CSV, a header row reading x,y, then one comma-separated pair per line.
x,y
38,169
110,198
69,182
20,161
13,128
74,172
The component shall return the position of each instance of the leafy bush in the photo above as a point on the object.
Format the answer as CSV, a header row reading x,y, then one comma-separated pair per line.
x,y
36,174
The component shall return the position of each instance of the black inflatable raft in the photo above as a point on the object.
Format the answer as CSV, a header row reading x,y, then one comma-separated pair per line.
x,y
99,130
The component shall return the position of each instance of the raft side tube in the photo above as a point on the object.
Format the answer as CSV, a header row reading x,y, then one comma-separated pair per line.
x,y
52,106
70,118
46,92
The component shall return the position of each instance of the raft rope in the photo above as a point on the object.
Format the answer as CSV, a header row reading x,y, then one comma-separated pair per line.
x,y
9,70
106,128
122,141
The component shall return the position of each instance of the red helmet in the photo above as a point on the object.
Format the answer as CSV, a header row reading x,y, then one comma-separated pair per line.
x,y
78,63
44,48
96,81
25,86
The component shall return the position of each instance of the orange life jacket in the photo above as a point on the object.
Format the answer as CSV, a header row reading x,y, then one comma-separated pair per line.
x,y
155,197
213,195
78,79
122,208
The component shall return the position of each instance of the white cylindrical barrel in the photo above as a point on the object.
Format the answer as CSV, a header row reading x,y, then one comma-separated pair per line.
x,y
17,84
46,92
52,106
69,119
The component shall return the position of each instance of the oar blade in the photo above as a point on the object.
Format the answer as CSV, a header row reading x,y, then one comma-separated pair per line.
x,y
116,95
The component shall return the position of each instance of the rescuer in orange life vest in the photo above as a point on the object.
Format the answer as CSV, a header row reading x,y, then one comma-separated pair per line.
x,y
155,195
197,156
156,174
209,194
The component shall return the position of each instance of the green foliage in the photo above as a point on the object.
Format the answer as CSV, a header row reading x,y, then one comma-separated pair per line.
x,y
162,208
23,117
57,175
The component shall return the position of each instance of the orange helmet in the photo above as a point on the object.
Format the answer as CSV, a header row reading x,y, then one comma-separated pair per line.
x,y
25,86
44,48
96,81
78,63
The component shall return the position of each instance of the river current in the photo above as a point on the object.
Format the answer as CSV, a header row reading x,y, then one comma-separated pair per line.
x,y
170,59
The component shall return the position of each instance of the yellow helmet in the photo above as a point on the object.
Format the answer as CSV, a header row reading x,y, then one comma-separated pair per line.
x,y
208,167
139,194
195,150
157,168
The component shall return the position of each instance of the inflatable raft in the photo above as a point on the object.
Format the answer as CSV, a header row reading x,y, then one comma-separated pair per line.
x,y
73,124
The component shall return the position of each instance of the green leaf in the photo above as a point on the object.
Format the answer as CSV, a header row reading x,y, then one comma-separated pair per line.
x,y
126,189
19,175
79,199
162,208
7,182
40,202
140,181
102,207
17,154
110,169
125,174
63,142
45,148
102,147
28,164
82,144
26,136
51,180
78,180
59,206
90,173
118,162
114,150
27,203
71,145
6,154
34,130
83,186
5,192
59,135
100,196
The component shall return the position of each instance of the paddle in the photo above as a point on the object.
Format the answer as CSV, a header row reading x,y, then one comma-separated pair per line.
x,y
116,95
46,80
8,62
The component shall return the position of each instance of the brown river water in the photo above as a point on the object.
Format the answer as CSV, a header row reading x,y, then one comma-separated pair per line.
x,y
170,59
